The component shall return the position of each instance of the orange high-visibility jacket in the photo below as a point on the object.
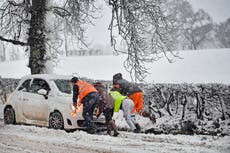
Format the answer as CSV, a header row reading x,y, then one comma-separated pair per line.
x,y
138,102
84,89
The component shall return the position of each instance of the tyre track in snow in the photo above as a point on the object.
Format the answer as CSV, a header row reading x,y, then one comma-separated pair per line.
x,y
22,139
166,143
29,139
22,144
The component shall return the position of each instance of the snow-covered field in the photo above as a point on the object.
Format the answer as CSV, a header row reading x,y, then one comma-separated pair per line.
x,y
195,67
201,66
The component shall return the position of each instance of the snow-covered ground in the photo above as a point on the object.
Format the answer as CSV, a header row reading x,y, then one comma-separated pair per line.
x,y
26,139
201,66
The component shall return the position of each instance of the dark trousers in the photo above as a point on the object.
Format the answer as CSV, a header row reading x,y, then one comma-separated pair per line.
x,y
108,112
89,103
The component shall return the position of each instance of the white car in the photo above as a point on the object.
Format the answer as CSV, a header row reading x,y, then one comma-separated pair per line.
x,y
43,100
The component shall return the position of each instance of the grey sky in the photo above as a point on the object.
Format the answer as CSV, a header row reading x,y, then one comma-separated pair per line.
x,y
219,10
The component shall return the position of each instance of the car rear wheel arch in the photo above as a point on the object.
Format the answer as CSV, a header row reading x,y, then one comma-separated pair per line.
x,y
9,115
56,120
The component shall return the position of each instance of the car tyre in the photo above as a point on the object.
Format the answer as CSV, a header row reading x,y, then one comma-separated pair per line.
x,y
9,116
56,121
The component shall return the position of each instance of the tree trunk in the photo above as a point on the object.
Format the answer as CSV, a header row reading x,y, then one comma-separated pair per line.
x,y
66,46
184,103
177,104
200,106
37,37
169,101
202,109
197,106
223,107
3,52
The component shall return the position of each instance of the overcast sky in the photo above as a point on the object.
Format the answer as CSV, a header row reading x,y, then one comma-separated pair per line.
x,y
219,10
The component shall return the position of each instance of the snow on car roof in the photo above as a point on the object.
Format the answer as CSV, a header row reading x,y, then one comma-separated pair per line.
x,y
48,76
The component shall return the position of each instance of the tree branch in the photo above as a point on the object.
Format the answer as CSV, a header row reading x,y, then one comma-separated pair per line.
x,y
15,42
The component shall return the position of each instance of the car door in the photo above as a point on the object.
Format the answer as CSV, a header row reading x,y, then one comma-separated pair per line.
x,y
35,105
18,98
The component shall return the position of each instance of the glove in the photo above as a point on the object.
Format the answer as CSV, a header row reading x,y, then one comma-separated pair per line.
x,y
75,108
74,111
78,105
75,104
152,118
98,113
145,114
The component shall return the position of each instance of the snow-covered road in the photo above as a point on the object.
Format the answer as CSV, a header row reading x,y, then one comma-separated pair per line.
x,y
32,139
22,139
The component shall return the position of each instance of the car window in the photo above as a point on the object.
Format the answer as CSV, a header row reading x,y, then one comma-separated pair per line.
x,y
25,85
64,86
38,84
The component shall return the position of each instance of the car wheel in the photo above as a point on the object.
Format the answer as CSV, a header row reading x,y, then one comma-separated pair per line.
x,y
9,116
56,121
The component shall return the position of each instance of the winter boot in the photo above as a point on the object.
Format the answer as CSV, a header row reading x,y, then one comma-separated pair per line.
x,y
92,129
108,129
116,133
113,127
135,131
138,128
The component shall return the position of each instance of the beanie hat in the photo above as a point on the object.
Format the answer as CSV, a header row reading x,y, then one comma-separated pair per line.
x,y
74,79
117,76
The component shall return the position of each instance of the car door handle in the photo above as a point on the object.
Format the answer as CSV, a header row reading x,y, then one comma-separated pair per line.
x,y
24,99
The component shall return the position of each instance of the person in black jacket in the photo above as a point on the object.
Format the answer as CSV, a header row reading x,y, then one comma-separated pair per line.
x,y
106,106
133,92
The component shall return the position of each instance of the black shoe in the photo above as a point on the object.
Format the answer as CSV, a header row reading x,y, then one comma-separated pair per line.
x,y
108,130
135,131
138,128
115,134
91,130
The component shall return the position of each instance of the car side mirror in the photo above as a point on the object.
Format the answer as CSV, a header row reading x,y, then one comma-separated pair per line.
x,y
43,92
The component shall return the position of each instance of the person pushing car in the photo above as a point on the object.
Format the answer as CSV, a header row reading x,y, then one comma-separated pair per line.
x,y
89,97
131,90
106,105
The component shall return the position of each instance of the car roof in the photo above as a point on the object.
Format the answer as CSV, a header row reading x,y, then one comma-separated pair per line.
x,y
47,76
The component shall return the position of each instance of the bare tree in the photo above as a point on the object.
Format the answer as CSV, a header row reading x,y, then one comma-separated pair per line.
x,y
2,52
223,33
144,29
197,29
179,13
141,23
192,30
24,22
167,97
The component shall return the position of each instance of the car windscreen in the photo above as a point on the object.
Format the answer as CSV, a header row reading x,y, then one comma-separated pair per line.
x,y
64,86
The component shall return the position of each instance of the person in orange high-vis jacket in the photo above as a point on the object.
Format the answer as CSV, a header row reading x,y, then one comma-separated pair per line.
x,y
84,93
133,92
